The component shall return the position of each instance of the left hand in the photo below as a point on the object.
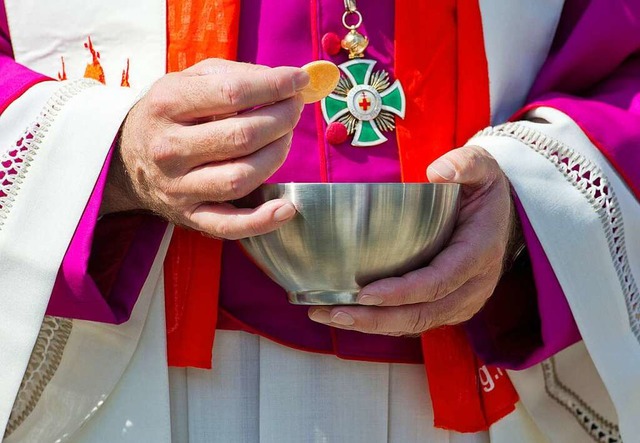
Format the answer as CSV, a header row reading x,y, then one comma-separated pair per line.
x,y
461,278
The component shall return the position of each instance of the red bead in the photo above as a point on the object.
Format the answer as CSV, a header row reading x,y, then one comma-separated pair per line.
x,y
336,133
331,43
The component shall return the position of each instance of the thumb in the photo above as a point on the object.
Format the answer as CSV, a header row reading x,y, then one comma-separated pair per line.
x,y
469,165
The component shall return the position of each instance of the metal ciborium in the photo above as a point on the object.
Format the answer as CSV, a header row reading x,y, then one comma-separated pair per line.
x,y
347,235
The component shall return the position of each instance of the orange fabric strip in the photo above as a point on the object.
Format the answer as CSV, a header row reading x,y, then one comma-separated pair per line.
x,y
193,263
201,29
447,89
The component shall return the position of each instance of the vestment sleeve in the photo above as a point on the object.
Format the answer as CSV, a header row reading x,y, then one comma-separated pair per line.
x,y
100,266
572,157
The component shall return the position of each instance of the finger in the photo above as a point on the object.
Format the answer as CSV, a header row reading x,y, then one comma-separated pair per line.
x,y
448,271
223,220
213,118
233,137
234,179
220,66
457,307
185,98
470,165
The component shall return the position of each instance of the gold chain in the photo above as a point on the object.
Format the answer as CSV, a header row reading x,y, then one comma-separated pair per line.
x,y
350,5
354,42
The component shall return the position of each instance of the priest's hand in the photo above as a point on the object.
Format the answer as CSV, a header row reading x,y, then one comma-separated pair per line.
x,y
459,280
203,137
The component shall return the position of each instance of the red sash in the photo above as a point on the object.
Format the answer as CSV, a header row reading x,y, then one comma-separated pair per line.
x,y
447,87
192,266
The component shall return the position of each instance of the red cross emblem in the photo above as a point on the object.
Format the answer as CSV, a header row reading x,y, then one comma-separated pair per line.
x,y
364,103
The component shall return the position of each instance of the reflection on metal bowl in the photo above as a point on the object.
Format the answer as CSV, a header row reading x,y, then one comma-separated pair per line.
x,y
347,235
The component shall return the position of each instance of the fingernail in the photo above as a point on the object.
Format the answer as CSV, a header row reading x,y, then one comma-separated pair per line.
x,y
370,300
444,168
320,315
284,212
342,318
300,80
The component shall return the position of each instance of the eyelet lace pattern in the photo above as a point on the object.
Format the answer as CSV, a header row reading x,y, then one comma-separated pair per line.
x,y
592,182
15,162
53,335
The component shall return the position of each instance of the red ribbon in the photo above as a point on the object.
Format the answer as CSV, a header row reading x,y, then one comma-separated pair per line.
x,y
447,87
193,264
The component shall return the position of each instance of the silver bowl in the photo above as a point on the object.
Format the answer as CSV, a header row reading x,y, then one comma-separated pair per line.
x,y
347,235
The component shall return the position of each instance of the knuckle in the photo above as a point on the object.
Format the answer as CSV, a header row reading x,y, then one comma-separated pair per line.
x,y
439,289
159,101
277,87
375,324
243,136
163,148
205,65
230,229
402,292
224,230
419,321
173,195
254,227
233,92
236,183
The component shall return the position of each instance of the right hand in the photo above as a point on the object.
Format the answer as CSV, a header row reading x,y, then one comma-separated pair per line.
x,y
186,148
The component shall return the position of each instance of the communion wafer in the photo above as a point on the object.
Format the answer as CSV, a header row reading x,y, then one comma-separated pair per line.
x,y
324,77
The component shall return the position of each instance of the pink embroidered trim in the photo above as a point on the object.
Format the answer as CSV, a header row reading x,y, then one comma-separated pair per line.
x,y
15,162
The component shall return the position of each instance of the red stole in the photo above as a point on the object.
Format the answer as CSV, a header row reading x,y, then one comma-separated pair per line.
x,y
447,87
192,266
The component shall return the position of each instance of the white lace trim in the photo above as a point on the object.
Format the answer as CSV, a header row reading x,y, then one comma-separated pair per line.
x,y
592,182
599,428
15,162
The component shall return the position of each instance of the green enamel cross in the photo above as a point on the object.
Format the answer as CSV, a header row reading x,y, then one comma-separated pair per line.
x,y
365,102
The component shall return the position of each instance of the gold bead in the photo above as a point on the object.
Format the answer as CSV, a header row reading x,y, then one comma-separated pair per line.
x,y
355,43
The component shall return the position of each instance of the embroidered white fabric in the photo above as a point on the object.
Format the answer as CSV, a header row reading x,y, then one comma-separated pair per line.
x,y
587,177
14,164
599,428
572,193
44,361
54,332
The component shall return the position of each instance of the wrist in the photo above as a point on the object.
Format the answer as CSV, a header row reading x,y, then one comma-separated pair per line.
x,y
118,193
516,244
